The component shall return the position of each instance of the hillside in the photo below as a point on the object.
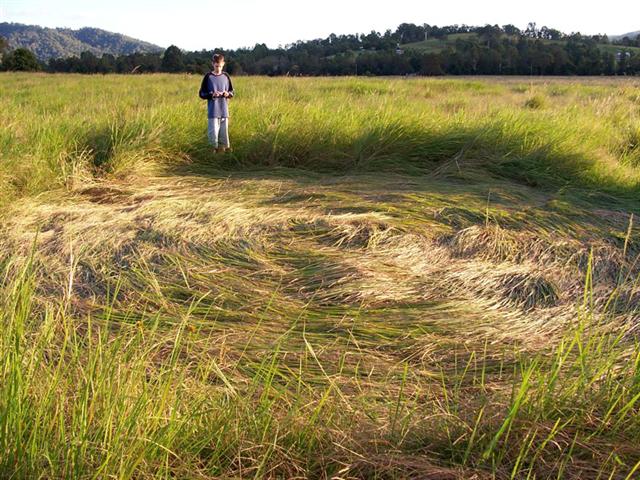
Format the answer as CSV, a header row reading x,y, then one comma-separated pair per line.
x,y
469,51
435,45
49,43
629,34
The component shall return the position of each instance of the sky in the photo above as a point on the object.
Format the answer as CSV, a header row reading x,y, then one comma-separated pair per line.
x,y
207,24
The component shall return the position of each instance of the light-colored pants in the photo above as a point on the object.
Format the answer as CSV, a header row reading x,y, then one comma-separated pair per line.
x,y
218,132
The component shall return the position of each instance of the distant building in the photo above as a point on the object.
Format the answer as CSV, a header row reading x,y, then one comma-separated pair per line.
x,y
619,55
399,51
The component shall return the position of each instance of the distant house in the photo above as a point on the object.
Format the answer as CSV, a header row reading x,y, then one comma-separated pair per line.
x,y
399,50
619,55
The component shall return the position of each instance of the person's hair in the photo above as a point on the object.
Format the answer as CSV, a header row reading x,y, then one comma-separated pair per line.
x,y
218,57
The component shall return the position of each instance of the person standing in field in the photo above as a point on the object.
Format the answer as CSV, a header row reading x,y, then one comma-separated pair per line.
x,y
217,89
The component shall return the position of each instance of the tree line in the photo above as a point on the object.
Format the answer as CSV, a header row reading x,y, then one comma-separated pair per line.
x,y
486,50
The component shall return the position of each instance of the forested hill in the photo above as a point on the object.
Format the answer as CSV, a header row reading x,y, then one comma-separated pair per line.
x,y
49,43
409,50
630,35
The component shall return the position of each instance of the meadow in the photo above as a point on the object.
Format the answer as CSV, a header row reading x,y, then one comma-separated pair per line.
x,y
387,278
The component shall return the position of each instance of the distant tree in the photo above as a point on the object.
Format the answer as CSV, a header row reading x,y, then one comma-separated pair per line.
x,y
561,64
532,30
626,41
4,46
409,32
200,62
549,33
510,59
260,50
21,59
490,61
437,32
469,50
107,64
609,62
490,34
602,39
173,60
373,41
623,63
511,30
541,60
88,63
634,65
432,64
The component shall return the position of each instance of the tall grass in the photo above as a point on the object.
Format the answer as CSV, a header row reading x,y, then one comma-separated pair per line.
x,y
84,397
88,126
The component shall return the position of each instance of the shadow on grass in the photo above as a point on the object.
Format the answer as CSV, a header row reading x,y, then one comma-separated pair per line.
x,y
486,156
479,154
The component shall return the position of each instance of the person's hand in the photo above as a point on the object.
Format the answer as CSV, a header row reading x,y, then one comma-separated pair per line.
x,y
225,94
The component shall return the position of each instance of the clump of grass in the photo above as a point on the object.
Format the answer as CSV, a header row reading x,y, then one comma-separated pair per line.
x,y
630,146
536,102
529,291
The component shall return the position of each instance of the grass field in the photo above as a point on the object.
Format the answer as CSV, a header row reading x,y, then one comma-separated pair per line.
x,y
387,278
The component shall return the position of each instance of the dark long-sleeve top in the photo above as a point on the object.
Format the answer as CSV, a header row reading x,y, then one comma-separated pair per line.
x,y
217,106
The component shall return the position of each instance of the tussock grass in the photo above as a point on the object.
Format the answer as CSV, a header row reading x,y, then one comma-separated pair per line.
x,y
536,102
